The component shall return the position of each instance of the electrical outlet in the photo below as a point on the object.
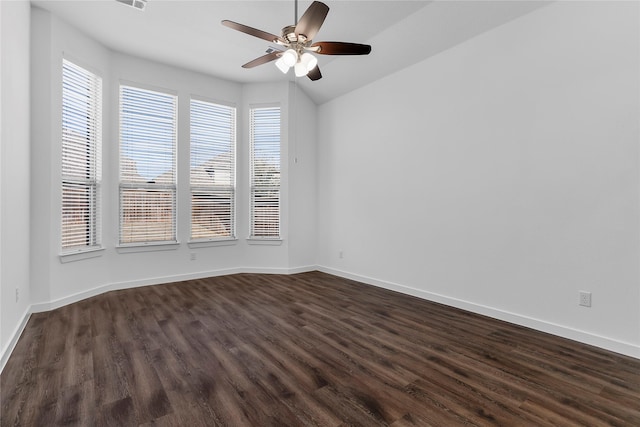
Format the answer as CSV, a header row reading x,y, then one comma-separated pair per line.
x,y
17,294
193,256
340,255
585,299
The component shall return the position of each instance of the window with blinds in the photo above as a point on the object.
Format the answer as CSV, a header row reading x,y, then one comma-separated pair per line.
x,y
147,166
265,172
212,170
81,158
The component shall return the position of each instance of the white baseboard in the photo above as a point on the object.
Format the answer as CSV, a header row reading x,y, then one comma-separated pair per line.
x,y
625,348
295,270
6,352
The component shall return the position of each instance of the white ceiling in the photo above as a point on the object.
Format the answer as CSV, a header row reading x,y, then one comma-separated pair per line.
x,y
188,34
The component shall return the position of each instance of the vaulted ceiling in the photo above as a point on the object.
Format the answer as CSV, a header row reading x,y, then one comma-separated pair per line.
x,y
188,34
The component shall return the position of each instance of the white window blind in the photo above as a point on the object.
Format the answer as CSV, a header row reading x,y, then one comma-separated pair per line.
x,y
265,172
212,177
81,158
147,166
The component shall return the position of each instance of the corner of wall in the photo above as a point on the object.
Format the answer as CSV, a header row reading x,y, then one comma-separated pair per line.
x,y
14,170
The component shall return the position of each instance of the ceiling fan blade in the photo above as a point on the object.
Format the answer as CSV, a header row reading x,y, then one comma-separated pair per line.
x,y
315,74
312,20
252,31
341,48
262,60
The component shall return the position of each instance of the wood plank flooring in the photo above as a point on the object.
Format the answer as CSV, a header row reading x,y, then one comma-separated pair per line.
x,y
308,349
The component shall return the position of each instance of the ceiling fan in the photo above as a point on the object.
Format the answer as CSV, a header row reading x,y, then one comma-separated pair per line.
x,y
295,46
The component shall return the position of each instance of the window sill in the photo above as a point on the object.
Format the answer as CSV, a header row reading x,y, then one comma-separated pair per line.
x,y
147,247
194,244
264,241
81,254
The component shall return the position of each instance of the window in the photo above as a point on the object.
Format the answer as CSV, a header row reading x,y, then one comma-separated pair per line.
x,y
212,177
265,172
147,166
81,158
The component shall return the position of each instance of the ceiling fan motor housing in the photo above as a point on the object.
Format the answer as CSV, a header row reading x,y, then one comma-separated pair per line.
x,y
289,34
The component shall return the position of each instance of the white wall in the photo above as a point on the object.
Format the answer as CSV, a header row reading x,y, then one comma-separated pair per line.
x,y
14,170
302,179
52,41
500,176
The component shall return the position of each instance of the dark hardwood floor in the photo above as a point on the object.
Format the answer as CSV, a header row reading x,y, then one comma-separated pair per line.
x,y
307,349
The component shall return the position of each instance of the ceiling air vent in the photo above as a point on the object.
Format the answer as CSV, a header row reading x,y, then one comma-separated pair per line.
x,y
138,4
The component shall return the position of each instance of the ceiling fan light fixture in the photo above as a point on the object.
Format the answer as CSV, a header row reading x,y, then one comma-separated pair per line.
x,y
298,41
282,66
300,70
309,61
289,57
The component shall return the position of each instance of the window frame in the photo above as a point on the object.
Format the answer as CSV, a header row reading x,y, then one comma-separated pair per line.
x,y
148,186
92,164
212,189
253,238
